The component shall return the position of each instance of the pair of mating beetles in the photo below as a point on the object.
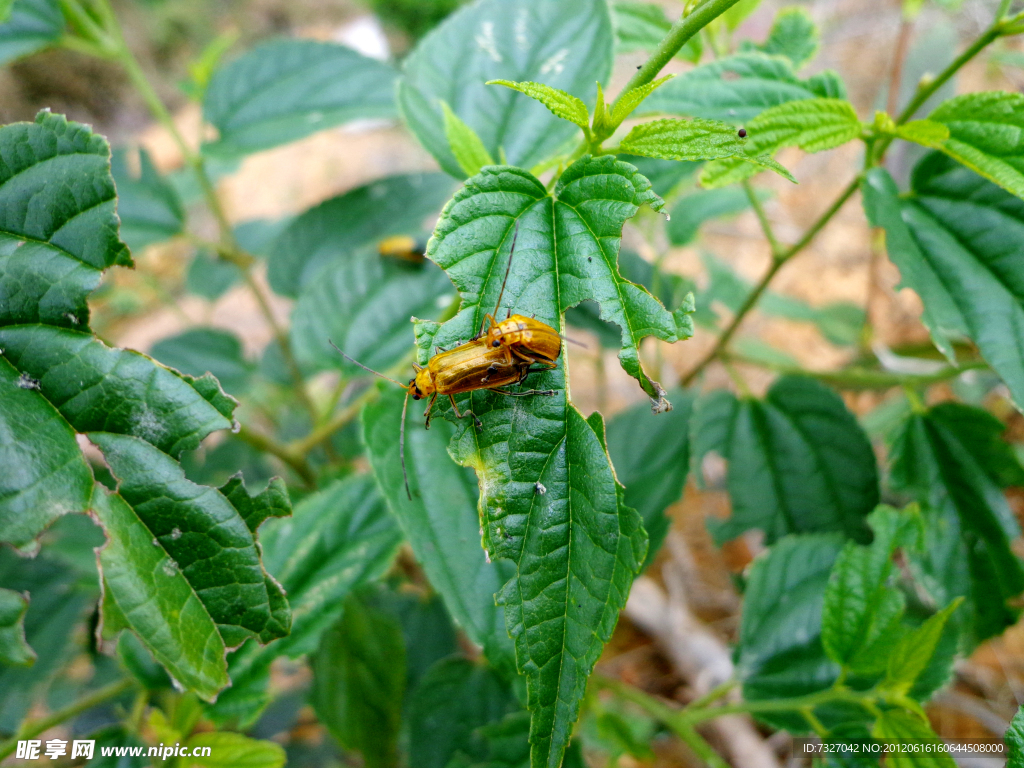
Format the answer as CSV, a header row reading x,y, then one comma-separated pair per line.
x,y
501,354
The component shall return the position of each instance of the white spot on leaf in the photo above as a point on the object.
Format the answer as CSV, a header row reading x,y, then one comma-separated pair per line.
x,y
520,30
175,534
27,382
555,63
486,43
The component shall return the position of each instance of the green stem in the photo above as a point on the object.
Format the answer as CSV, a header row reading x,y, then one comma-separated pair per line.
x,y
755,294
645,701
865,378
1004,8
713,695
293,458
674,40
796,704
762,218
228,248
35,727
925,91
696,742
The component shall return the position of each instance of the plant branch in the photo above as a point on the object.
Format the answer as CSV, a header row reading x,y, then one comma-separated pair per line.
x,y
899,57
294,459
94,699
865,378
696,742
925,90
228,248
778,259
762,218
674,40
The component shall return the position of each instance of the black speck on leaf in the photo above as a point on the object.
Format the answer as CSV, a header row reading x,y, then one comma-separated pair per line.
x,y
742,133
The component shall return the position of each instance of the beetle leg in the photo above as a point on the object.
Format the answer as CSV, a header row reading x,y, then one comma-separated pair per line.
x,y
426,415
464,415
533,360
527,392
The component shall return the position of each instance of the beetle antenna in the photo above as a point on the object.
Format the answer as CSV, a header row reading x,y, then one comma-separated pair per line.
x,y
512,250
401,446
375,373
573,341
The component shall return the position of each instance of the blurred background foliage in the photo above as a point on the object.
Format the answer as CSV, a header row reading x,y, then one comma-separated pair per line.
x,y
188,309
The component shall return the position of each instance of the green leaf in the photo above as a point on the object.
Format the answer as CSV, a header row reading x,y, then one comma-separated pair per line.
x,y
952,459
651,456
31,26
695,139
97,388
395,205
927,133
555,509
5,9
591,252
337,539
143,580
813,125
902,726
665,175
147,203
632,98
209,276
956,241
642,26
45,475
362,303
454,698
207,350
58,231
737,88
862,611
79,210
466,147
198,559
1015,741
233,750
793,35
558,102
739,12
427,628
58,601
14,650
909,659
986,134
359,682
798,460
695,209
440,522
780,652
287,89
563,46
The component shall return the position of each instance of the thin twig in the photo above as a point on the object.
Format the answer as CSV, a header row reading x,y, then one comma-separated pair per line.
x,y
294,459
899,58
674,40
762,218
865,378
94,699
756,292
228,248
